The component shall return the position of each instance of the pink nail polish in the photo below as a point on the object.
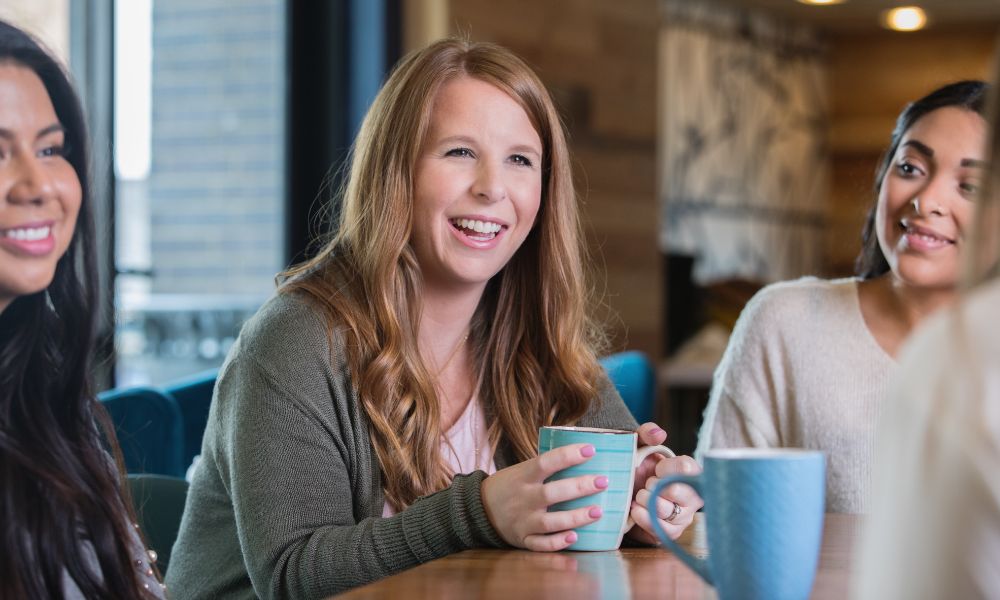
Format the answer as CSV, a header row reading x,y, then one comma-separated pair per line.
x,y
601,482
595,512
571,537
588,450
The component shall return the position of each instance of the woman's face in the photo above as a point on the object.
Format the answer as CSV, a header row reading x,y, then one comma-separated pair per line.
x,y
926,198
40,191
478,185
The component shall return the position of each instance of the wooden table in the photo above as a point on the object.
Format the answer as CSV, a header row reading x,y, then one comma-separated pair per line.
x,y
628,573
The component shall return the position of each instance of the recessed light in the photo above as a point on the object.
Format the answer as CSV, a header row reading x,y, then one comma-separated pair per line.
x,y
822,2
904,18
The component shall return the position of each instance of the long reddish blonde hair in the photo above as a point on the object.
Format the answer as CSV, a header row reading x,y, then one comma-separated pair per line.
x,y
533,338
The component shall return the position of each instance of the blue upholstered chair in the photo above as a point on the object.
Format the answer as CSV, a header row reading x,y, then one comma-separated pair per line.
x,y
194,397
159,503
633,376
149,429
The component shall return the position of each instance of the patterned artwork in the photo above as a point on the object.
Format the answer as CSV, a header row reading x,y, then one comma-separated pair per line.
x,y
744,165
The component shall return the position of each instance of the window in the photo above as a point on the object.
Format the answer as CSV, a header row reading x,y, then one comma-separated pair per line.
x,y
199,178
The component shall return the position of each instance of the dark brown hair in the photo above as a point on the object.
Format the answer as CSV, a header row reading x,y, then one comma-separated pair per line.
x,y
58,486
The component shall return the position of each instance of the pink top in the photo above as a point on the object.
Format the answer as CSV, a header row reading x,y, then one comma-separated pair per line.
x,y
459,445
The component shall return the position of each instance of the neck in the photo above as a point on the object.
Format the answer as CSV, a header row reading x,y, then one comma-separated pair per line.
x,y
444,321
914,304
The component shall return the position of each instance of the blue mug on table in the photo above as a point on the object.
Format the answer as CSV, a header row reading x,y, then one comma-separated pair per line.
x,y
617,458
764,514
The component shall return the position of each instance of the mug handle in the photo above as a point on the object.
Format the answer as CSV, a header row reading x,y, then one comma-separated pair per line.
x,y
640,455
698,565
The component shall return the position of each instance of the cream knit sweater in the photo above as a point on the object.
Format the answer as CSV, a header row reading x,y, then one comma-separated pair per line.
x,y
803,370
934,530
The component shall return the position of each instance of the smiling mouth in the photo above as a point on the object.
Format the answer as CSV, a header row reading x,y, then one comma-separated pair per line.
x,y
480,231
27,234
924,237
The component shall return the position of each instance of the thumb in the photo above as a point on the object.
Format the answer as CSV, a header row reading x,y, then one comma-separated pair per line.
x,y
650,434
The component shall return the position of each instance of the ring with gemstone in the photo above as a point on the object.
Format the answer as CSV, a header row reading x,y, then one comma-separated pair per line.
x,y
673,515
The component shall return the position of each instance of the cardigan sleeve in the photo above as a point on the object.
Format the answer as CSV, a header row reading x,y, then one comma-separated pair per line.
x,y
293,498
285,496
609,410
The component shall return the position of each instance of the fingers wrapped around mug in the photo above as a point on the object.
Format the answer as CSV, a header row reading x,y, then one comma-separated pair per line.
x,y
516,499
677,504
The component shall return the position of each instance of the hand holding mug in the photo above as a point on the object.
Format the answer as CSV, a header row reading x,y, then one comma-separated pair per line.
x,y
517,499
675,506
617,459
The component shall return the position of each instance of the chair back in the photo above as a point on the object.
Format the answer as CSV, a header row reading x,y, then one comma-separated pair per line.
x,y
194,398
634,378
159,504
149,429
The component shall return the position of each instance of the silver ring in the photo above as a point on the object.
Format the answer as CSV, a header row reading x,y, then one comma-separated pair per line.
x,y
673,515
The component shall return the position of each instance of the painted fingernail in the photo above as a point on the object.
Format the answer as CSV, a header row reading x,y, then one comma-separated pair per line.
x,y
588,450
595,512
601,482
571,537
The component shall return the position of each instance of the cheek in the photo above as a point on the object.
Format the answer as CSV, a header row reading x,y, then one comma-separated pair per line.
x,y
886,208
963,213
70,197
530,201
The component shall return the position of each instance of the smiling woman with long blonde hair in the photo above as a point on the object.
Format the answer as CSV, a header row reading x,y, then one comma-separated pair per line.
x,y
383,409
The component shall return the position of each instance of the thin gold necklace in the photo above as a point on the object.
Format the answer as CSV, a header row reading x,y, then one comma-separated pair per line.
x,y
472,417
451,356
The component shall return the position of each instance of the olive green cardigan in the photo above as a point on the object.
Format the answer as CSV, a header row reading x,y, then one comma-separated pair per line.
x,y
287,499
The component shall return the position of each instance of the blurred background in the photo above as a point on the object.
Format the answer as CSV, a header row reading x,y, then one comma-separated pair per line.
x,y
719,145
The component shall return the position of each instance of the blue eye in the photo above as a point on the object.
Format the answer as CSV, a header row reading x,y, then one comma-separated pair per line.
x,y
520,159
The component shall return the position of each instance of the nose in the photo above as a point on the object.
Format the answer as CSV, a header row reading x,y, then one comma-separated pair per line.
x,y
933,198
31,182
489,184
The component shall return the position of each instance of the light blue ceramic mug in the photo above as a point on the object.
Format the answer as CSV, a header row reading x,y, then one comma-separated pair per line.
x,y
617,458
764,514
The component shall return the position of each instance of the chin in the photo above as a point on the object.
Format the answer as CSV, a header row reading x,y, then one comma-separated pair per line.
x,y
923,279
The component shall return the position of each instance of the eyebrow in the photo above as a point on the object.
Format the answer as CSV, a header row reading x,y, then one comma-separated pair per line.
x,y
929,153
53,128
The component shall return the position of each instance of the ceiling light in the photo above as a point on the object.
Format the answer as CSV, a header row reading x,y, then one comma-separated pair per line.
x,y
904,18
822,2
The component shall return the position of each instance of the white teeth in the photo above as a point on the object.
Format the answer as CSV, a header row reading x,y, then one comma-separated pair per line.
x,y
28,234
478,226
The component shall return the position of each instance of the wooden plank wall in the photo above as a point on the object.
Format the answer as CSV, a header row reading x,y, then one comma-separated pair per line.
x,y
598,59
872,77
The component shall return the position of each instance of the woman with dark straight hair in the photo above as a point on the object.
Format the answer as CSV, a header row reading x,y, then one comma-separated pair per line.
x,y
809,361
968,95
934,531
65,525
